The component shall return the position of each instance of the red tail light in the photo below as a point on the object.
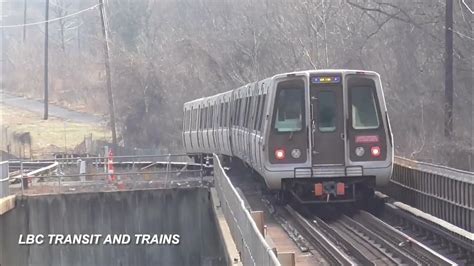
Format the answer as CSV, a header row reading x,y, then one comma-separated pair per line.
x,y
375,151
318,189
367,139
340,189
280,154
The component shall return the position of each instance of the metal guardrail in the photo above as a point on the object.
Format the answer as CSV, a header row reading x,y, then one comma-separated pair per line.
x,y
4,180
62,175
444,192
252,246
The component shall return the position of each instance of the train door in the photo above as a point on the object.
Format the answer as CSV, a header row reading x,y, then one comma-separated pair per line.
x,y
327,120
251,128
256,111
261,120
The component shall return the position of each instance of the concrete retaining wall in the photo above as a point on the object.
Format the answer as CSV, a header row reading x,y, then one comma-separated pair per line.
x,y
187,212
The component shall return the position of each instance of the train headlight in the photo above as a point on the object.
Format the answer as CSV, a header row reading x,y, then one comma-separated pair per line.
x,y
296,153
375,151
280,154
359,151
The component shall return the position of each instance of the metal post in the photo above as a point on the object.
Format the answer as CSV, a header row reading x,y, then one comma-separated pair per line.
x,y
82,170
106,153
448,65
21,177
46,47
168,169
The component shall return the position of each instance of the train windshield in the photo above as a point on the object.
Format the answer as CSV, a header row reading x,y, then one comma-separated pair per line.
x,y
289,106
364,112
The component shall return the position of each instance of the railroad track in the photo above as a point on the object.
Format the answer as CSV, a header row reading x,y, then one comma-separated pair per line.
x,y
458,248
362,239
319,238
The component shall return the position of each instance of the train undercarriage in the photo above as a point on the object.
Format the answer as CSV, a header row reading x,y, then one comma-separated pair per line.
x,y
325,190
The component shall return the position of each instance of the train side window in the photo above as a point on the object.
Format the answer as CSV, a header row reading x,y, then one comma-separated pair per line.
x,y
262,112
221,114
190,112
218,115
186,121
211,117
237,119
236,107
326,111
201,115
241,107
195,119
288,114
364,108
204,118
249,120
253,112
247,111
257,113
244,112
211,113
226,117
201,112
249,115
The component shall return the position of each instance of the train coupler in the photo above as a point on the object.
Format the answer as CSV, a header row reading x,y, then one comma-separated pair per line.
x,y
329,188
321,191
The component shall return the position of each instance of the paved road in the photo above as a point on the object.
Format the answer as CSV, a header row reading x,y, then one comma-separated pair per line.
x,y
38,107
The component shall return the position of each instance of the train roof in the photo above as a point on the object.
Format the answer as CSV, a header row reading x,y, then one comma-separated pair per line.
x,y
326,71
297,73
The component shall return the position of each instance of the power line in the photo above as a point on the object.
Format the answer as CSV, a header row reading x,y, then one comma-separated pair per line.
x,y
50,20
467,6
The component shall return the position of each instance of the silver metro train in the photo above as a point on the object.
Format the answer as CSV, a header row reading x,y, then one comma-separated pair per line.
x,y
319,135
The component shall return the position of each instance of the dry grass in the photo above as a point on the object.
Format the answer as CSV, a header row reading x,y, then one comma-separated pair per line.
x,y
50,135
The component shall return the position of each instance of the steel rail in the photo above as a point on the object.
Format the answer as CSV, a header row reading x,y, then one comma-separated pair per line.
x,y
329,250
405,243
463,244
390,251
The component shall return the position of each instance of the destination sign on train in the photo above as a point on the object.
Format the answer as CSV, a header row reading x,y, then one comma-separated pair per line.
x,y
325,79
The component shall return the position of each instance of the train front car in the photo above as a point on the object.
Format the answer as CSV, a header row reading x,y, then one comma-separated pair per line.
x,y
329,137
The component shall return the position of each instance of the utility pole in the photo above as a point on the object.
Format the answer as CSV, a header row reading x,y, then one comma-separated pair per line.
x,y
46,26
3,61
107,73
448,64
24,20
